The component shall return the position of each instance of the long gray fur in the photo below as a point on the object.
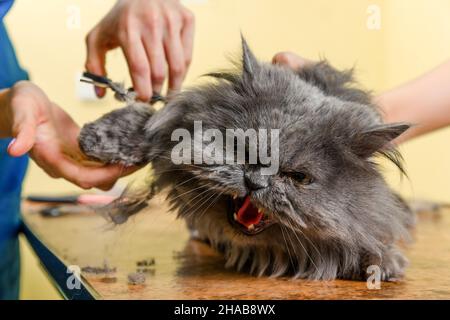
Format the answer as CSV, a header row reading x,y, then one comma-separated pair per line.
x,y
335,227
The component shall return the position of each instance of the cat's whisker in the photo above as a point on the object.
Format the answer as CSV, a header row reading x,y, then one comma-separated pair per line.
x,y
204,201
287,247
187,203
188,213
313,245
183,164
289,221
304,249
213,202
190,200
166,171
187,192
185,181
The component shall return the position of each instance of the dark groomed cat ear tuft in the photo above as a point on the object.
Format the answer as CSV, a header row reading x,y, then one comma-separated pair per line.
x,y
378,139
249,62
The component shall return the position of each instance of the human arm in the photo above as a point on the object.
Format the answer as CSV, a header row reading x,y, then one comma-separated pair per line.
x,y
49,134
424,102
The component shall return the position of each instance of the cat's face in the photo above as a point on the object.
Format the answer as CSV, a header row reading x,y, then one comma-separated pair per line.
x,y
311,160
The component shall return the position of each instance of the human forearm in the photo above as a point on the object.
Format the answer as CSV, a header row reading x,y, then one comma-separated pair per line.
x,y
423,102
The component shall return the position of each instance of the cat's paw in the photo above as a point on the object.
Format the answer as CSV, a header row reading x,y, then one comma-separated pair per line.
x,y
117,137
391,267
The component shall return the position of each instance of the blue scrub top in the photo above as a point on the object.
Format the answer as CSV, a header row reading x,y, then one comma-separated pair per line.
x,y
12,170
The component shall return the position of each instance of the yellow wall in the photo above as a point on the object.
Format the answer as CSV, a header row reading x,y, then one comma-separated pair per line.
x,y
416,39
413,38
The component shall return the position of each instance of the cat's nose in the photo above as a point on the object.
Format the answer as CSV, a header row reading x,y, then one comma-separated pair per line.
x,y
255,181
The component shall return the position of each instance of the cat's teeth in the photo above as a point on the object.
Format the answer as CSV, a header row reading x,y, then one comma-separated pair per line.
x,y
234,196
235,216
251,227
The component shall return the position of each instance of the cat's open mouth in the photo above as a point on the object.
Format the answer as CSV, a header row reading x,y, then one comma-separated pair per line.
x,y
247,217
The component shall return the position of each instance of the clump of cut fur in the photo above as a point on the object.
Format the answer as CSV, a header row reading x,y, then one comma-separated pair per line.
x,y
344,220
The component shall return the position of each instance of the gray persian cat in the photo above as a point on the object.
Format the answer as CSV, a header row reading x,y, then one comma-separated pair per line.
x,y
326,213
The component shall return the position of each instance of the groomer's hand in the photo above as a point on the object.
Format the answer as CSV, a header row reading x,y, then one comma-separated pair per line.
x,y
291,60
154,35
49,134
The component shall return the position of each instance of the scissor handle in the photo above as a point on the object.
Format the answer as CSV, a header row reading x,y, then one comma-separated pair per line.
x,y
96,78
104,82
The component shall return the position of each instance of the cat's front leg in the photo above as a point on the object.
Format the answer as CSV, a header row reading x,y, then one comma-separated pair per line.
x,y
118,136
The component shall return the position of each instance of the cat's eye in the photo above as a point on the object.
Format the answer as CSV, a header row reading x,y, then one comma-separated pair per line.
x,y
300,177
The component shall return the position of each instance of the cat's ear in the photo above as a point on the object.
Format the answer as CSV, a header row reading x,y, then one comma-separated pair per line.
x,y
249,63
377,139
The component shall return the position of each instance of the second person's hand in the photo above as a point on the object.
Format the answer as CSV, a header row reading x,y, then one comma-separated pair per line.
x,y
291,60
155,35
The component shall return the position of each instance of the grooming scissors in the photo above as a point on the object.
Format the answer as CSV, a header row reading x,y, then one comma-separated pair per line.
x,y
120,93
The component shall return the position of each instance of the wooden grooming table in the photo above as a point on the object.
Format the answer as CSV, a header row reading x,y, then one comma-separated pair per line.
x,y
188,269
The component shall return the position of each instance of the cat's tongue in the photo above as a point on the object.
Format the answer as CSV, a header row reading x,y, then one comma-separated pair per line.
x,y
248,214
